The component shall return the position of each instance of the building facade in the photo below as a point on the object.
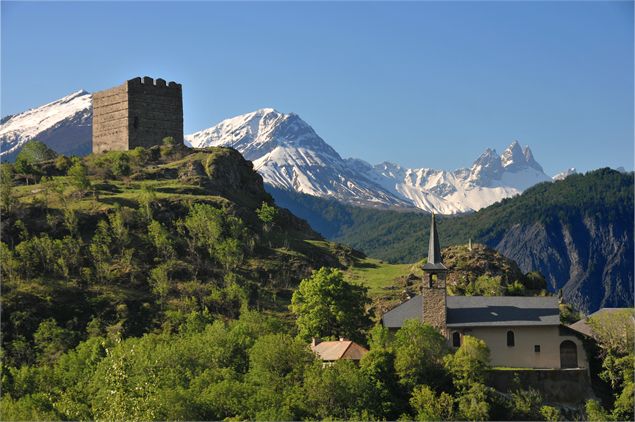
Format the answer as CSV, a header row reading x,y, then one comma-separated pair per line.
x,y
138,113
520,332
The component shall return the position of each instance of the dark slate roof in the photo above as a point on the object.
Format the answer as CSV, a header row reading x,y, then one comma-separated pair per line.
x,y
483,311
473,311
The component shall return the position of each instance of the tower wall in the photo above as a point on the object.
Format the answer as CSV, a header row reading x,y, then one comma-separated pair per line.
x,y
155,111
110,119
434,303
139,113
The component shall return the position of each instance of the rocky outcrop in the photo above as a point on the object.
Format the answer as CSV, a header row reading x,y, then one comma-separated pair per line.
x,y
586,257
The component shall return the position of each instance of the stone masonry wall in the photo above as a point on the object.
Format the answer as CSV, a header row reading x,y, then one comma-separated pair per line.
x,y
434,304
110,119
156,111
141,112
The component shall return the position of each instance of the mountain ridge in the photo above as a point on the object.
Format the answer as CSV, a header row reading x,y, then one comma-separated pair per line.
x,y
290,154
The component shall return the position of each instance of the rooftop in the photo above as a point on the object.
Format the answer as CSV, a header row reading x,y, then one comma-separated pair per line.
x,y
480,311
336,350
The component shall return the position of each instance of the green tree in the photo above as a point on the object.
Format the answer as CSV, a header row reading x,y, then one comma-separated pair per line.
x,y
33,152
79,177
378,366
473,403
419,351
160,238
51,341
428,406
614,331
120,164
525,404
339,391
7,197
595,412
267,215
63,163
550,414
468,365
328,306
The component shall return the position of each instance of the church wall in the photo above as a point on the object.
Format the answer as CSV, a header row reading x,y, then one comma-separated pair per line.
x,y
522,354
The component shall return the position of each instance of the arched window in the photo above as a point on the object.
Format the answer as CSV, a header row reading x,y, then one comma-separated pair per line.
x,y
456,339
510,339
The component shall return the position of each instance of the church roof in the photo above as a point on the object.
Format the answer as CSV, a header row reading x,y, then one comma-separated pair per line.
x,y
483,311
435,261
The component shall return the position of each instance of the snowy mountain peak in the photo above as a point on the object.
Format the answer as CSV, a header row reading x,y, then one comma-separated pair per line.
x,y
487,167
64,125
260,132
529,159
513,156
290,155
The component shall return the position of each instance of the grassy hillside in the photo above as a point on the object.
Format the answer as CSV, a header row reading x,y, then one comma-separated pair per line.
x,y
134,242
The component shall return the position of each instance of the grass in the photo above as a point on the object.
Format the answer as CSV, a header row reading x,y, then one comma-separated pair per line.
x,y
375,274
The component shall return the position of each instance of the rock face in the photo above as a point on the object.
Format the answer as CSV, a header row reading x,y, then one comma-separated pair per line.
x,y
589,259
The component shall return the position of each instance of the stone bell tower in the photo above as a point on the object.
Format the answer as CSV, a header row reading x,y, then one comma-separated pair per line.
x,y
434,292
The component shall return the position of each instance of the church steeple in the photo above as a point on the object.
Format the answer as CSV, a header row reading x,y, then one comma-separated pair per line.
x,y
435,262
433,292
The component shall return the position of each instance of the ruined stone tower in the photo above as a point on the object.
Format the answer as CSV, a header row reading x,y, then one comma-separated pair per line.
x,y
434,292
138,113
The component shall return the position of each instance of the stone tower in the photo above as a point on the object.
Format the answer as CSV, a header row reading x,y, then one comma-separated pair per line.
x,y
433,292
138,113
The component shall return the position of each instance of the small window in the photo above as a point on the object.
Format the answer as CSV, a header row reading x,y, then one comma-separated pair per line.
x,y
537,348
135,122
456,339
510,339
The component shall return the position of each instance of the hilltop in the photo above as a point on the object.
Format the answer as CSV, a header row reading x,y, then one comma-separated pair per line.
x,y
132,242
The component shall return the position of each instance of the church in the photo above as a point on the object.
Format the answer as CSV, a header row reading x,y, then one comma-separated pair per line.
x,y
521,332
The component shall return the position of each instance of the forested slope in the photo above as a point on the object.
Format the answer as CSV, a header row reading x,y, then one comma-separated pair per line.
x,y
578,232
129,243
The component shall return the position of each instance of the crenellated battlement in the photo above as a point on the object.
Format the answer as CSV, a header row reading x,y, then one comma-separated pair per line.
x,y
147,81
140,112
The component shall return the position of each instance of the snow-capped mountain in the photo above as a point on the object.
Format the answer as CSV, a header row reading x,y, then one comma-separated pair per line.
x,y
564,174
290,155
64,125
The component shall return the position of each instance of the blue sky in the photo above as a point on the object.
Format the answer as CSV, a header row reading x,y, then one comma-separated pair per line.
x,y
419,83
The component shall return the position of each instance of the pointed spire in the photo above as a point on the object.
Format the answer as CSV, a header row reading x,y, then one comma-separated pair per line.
x,y
434,251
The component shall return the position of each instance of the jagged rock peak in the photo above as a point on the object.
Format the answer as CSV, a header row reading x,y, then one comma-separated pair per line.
x,y
529,159
513,155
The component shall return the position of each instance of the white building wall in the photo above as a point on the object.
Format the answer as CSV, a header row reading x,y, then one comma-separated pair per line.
x,y
522,354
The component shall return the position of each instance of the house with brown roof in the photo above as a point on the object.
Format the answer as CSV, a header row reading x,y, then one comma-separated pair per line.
x,y
520,332
331,351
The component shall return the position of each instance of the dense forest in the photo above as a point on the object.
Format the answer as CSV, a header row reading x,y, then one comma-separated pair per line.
x,y
164,283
